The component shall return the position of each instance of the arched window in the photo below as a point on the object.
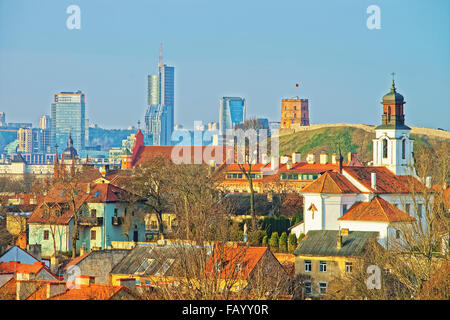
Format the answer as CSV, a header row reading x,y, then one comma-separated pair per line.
x,y
404,149
389,114
385,148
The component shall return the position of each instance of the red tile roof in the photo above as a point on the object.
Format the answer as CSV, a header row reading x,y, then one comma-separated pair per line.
x,y
17,267
229,256
377,209
145,153
60,195
330,182
386,181
91,291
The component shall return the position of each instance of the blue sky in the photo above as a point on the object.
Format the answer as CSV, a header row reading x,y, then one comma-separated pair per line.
x,y
255,49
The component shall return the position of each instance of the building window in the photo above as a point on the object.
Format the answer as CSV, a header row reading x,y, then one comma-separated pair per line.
x,y
323,266
397,234
419,210
308,265
46,234
93,234
322,287
348,267
385,148
93,213
115,212
344,209
153,224
308,288
404,149
407,208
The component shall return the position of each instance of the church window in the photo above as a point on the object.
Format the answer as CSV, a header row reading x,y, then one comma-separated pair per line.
x,y
404,149
385,148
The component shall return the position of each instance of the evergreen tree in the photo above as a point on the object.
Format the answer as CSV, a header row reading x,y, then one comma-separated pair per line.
x,y
283,243
292,242
273,242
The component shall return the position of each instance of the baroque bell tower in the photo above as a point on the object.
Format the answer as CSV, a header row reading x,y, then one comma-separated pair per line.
x,y
392,146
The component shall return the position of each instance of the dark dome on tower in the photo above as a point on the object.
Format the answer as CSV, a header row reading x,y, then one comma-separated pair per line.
x,y
70,151
393,95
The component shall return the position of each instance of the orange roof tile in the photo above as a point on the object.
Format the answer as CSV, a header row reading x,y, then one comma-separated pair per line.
x,y
330,182
229,256
377,209
386,181
17,267
60,195
92,291
145,153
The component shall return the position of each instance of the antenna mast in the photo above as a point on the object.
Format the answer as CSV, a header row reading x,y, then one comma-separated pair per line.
x,y
160,55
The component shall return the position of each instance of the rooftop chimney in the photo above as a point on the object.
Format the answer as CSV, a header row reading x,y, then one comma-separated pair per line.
x,y
339,241
296,157
334,158
428,182
373,181
284,159
88,188
310,158
289,164
323,158
84,280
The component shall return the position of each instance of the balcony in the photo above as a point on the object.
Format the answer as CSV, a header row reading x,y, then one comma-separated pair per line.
x,y
116,221
90,221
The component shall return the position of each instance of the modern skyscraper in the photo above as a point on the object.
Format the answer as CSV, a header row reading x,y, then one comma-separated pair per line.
x,y
25,140
2,119
68,115
45,122
231,113
156,121
161,102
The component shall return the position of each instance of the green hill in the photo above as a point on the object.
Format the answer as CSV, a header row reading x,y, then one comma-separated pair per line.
x,y
352,138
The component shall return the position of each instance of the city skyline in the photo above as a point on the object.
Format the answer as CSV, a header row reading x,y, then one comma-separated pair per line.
x,y
342,66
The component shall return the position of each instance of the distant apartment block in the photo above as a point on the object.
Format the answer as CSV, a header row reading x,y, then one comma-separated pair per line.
x,y
294,111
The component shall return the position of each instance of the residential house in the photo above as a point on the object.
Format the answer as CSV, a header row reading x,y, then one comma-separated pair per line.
x,y
97,264
152,265
324,255
104,211
239,266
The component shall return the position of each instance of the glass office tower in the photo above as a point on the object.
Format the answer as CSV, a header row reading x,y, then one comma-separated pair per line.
x,y
68,115
161,102
231,113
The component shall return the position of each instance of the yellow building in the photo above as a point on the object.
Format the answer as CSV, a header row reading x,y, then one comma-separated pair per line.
x,y
324,255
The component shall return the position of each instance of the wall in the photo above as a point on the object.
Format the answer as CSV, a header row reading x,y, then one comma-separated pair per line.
x,y
335,268
99,264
